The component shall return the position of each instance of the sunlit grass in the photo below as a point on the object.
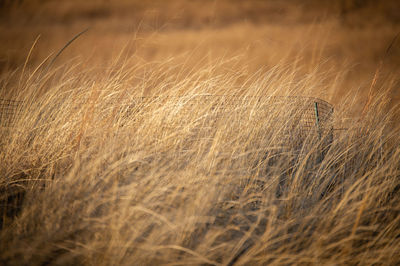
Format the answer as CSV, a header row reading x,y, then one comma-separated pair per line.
x,y
156,163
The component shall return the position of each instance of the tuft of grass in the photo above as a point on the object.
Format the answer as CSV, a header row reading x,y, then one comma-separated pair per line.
x,y
97,170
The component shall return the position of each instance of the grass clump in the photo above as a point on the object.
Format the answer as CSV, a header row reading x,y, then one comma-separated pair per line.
x,y
151,164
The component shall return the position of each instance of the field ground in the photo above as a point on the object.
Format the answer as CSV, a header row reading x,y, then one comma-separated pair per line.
x,y
95,170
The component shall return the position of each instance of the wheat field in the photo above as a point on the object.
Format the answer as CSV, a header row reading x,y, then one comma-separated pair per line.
x,y
198,157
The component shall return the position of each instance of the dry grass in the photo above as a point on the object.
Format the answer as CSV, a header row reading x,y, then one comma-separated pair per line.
x,y
93,174
264,33
154,139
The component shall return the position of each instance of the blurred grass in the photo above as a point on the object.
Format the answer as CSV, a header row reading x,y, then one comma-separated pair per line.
x,y
352,36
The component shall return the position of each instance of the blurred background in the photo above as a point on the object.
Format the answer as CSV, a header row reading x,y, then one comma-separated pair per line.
x,y
351,39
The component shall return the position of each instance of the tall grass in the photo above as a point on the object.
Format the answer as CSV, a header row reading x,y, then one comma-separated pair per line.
x,y
94,173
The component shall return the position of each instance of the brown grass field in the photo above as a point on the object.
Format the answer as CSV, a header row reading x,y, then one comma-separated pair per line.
x,y
199,132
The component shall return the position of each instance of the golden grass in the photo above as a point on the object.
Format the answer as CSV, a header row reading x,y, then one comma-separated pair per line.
x,y
92,173
160,136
